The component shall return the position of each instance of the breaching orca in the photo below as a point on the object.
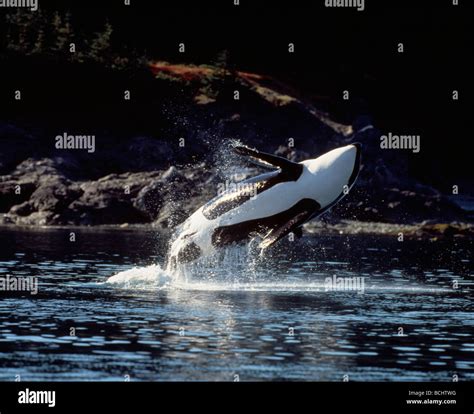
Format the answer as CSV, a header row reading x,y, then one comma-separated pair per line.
x,y
281,202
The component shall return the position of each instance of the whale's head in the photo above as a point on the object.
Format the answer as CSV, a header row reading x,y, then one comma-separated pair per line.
x,y
334,173
350,156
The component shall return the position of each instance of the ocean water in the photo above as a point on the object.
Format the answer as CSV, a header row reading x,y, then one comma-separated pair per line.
x,y
362,308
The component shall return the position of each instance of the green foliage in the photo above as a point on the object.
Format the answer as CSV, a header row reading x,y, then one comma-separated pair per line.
x,y
169,78
62,32
47,34
221,77
100,45
18,30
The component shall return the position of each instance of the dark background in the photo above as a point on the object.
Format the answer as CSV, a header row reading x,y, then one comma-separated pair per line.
x,y
336,49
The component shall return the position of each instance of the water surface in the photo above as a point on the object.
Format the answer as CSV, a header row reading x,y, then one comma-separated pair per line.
x,y
248,318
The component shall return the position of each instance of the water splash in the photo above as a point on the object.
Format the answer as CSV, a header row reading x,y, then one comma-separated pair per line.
x,y
148,277
241,268
227,268
230,266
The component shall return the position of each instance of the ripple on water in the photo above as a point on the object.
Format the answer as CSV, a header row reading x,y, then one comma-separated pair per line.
x,y
237,318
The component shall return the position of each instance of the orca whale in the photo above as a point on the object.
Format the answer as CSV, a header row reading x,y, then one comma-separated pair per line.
x,y
282,200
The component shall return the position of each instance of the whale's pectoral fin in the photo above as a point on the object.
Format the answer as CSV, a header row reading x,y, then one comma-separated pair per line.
x,y
274,235
269,160
305,209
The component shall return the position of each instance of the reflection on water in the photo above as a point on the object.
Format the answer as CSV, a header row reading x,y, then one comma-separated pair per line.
x,y
258,318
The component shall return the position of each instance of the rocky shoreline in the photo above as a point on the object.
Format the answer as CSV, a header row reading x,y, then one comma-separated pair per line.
x,y
420,231
159,178
37,193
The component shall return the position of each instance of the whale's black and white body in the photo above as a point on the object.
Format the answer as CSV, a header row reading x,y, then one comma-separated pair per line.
x,y
281,202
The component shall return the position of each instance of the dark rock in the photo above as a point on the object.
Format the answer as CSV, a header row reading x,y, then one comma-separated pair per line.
x,y
149,200
23,209
292,154
14,191
54,195
449,230
174,212
110,200
145,153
